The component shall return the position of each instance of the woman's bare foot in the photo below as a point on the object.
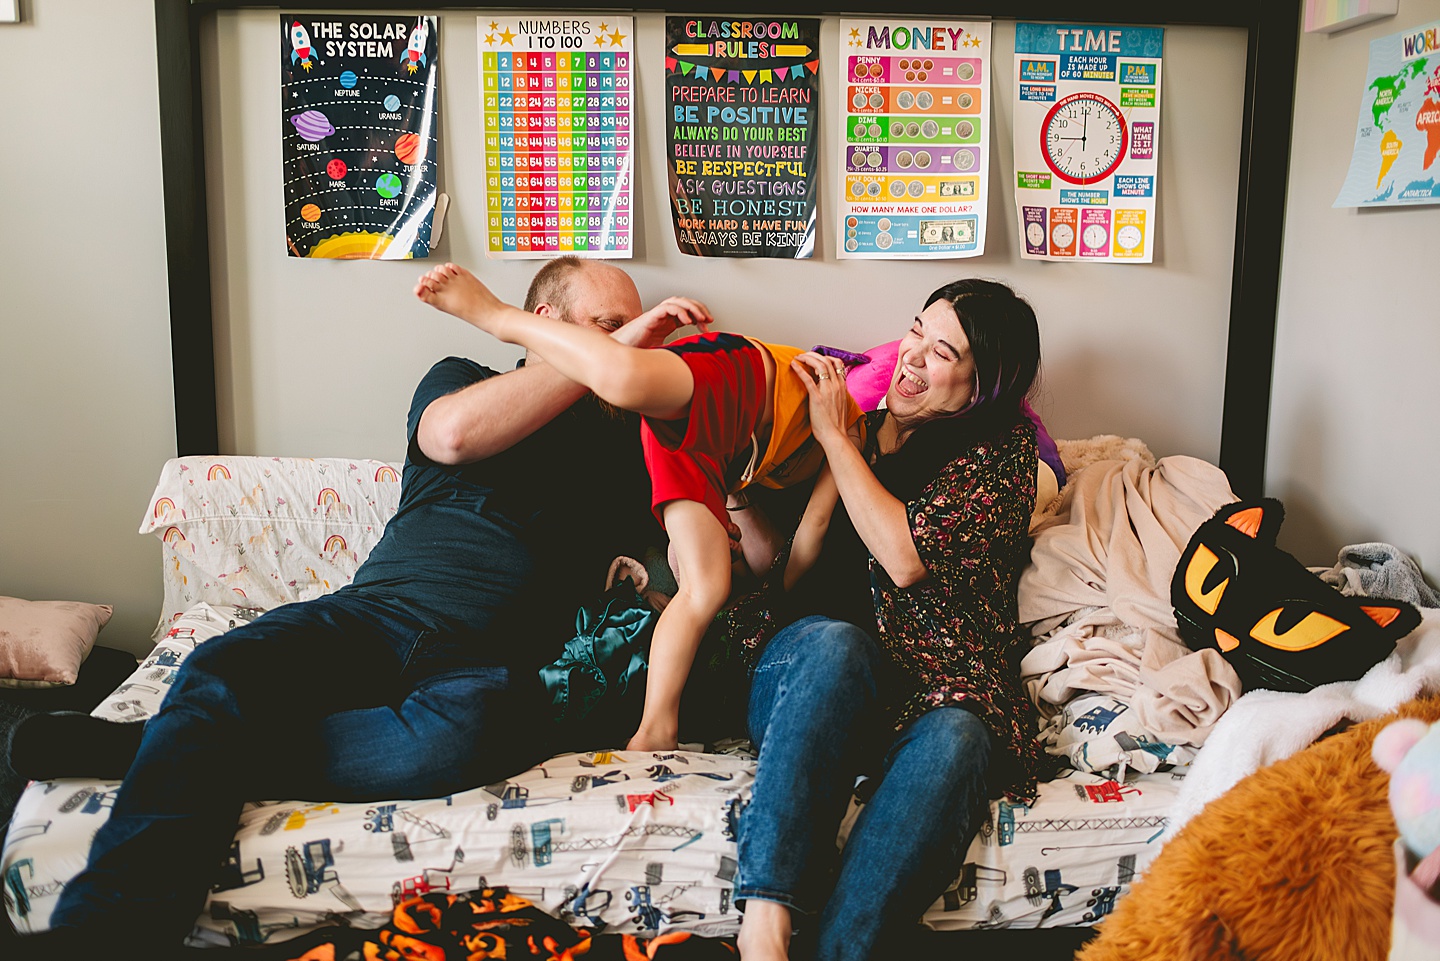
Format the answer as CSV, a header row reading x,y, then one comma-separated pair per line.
x,y
764,932
457,291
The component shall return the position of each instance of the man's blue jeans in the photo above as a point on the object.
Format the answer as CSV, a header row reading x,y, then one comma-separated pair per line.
x,y
341,698
815,717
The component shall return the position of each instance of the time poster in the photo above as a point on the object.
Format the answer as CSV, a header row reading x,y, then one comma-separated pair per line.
x,y
1087,141
916,138
359,114
743,108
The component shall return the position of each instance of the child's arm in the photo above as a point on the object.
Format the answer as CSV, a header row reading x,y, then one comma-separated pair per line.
x,y
813,524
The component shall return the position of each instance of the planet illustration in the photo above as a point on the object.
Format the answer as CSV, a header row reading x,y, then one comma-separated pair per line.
x,y
336,169
312,125
310,213
388,185
348,79
407,148
392,103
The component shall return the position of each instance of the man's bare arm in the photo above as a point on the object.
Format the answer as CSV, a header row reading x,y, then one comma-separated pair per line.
x,y
494,414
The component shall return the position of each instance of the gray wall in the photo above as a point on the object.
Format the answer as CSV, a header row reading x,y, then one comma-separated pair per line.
x,y
320,358
1353,437
85,387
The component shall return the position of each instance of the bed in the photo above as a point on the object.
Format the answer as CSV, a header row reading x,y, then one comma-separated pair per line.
x,y
638,843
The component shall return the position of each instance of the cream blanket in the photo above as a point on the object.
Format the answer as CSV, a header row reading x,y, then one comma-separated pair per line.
x,y
1101,569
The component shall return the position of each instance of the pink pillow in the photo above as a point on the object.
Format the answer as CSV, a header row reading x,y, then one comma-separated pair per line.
x,y
43,643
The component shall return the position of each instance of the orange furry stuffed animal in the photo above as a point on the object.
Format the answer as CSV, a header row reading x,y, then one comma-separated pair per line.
x,y
1294,863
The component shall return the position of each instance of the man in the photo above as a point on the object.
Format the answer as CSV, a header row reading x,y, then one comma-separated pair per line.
x,y
419,678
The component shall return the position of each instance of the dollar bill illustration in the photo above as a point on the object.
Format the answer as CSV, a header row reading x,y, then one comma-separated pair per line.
x,y
947,231
957,188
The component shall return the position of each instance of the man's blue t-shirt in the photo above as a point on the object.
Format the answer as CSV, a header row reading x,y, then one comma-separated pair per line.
x,y
505,550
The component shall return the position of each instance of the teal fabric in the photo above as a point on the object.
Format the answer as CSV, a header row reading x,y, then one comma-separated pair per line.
x,y
597,685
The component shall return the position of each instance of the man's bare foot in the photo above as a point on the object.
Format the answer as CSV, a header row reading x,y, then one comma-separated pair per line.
x,y
457,291
764,931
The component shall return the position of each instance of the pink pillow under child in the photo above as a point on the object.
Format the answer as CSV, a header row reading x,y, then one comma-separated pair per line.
x,y
43,643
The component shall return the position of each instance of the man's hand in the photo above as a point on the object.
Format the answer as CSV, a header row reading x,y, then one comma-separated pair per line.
x,y
652,327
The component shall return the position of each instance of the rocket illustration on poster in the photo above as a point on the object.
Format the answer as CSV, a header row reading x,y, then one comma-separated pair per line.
x,y
359,101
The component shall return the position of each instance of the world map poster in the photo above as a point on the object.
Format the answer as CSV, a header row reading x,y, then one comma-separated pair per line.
x,y
742,110
1398,136
359,108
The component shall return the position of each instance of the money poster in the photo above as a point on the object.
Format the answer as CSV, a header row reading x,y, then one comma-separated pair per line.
x,y
359,112
557,110
916,138
743,110
1087,141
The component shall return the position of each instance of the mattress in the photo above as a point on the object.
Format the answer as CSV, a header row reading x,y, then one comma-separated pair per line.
x,y
638,843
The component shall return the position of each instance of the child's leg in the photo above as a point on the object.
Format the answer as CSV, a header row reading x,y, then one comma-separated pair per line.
x,y
655,383
703,551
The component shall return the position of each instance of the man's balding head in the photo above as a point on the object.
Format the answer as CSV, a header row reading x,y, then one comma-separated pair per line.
x,y
586,292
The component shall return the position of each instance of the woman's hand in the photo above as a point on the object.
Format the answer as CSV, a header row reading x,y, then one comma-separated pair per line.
x,y
830,403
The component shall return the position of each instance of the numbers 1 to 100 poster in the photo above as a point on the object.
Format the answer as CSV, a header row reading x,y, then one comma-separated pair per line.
x,y
1087,141
915,138
557,104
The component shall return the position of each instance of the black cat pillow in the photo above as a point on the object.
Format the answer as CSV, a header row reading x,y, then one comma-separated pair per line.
x,y
1278,625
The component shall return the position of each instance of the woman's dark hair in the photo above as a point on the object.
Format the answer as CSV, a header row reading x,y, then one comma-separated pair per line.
x,y
1004,343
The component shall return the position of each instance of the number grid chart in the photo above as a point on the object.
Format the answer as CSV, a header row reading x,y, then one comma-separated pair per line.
x,y
557,108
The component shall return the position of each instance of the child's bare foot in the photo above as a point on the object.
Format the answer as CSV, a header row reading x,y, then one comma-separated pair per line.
x,y
457,291
647,739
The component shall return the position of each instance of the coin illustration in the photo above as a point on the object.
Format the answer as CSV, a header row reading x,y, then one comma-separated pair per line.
x,y
883,223
883,241
873,188
924,99
852,244
929,129
877,100
922,159
897,188
964,129
965,100
874,159
874,130
897,128
928,65
858,101
904,158
917,189
920,75
965,71
905,100
858,189
964,160
858,160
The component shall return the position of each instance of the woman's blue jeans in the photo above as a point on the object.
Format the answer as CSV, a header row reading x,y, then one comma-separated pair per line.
x,y
341,698
815,717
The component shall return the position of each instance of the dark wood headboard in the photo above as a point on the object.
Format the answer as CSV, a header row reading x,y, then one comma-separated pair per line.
x,y
1273,27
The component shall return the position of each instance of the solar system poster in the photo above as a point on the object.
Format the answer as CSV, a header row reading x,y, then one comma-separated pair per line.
x,y
916,139
742,111
1087,141
360,118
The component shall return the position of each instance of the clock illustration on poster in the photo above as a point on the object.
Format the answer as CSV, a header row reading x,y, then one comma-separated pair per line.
x,y
1095,236
1084,138
360,124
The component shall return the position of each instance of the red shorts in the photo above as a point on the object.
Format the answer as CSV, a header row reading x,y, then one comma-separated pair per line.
x,y
688,458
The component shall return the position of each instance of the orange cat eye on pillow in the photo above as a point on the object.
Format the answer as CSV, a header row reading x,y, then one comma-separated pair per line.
x,y
1279,626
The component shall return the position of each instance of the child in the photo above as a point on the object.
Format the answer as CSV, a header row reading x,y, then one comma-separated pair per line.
x,y
720,413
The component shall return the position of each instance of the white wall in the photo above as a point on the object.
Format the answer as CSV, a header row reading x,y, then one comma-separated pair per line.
x,y
85,385
1353,448
320,357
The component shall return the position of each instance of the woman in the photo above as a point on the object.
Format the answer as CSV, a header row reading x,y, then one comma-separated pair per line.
x,y
897,638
